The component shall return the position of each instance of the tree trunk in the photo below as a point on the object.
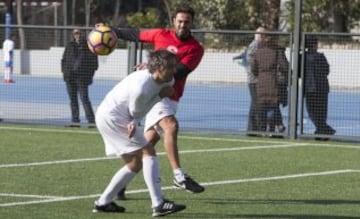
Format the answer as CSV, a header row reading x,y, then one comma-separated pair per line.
x,y
73,12
19,19
339,9
168,11
115,18
340,22
87,12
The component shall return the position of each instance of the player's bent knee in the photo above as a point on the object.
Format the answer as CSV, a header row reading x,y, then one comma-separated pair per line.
x,y
133,161
169,124
152,136
149,151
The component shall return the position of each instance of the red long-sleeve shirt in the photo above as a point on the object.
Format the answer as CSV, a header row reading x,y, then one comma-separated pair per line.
x,y
189,51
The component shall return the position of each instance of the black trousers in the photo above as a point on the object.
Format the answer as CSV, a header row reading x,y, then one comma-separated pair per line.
x,y
75,87
269,114
253,118
317,108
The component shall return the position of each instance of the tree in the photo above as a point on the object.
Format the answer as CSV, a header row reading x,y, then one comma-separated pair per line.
x,y
326,15
263,13
147,19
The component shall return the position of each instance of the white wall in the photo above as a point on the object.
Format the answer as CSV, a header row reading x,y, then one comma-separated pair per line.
x,y
48,63
215,66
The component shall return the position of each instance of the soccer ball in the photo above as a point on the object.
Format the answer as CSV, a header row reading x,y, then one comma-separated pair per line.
x,y
102,40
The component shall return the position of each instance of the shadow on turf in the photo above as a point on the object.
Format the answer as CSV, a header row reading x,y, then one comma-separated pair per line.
x,y
270,216
276,202
285,201
259,202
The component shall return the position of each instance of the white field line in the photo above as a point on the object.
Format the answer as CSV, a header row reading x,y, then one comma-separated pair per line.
x,y
225,139
259,179
29,196
160,154
79,131
54,162
260,147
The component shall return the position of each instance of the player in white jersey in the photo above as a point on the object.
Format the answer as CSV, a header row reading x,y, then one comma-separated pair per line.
x,y
117,118
8,54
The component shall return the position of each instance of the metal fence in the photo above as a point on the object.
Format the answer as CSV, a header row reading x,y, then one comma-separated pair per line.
x,y
216,98
340,106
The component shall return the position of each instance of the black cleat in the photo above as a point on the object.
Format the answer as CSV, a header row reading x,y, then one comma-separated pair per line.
x,y
167,207
112,207
189,185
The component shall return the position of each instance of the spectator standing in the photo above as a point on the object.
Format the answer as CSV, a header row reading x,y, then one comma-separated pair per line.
x,y
8,54
117,118
78,65
269,64
316,86
282,83
253,119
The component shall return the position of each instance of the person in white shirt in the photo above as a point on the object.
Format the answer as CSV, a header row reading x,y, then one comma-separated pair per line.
x,y
8,54
117,120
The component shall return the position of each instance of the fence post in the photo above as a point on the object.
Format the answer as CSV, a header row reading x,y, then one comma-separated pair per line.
x,y
295,73
132,55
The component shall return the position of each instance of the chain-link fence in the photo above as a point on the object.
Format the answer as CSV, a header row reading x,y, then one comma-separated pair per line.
x,y
218,94
330,94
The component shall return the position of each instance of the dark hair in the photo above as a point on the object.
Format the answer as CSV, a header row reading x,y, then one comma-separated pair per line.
x,y
159,59
311,41
183,8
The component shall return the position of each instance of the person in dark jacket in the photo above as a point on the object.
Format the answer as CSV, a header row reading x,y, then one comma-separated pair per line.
x,y
316,86
268,63
78,66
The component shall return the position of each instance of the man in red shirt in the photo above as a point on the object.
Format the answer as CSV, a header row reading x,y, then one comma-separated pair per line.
x,y
161,120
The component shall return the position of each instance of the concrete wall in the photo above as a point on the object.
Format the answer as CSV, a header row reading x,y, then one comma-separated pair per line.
x,y
215,66
48,63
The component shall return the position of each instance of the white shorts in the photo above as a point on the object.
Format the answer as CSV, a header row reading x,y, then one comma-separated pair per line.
x,y
115,135
166,107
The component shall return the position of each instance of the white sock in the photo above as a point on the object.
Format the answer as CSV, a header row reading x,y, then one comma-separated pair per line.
x,y
121,178
152,179
6,74
179,175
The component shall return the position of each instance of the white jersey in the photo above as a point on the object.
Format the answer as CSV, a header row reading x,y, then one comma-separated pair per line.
x,y
133,97
8,49
128,101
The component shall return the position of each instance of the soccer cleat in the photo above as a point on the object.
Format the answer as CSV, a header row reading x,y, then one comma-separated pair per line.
x,y
121,195
167,207
9,81
189,185
112,207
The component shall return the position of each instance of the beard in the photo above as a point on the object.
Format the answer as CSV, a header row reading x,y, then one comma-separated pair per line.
x,y
183,34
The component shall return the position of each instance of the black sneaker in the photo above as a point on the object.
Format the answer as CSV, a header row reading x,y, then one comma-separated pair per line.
x,y
121,195
112,207
167,207
189,185
73,125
